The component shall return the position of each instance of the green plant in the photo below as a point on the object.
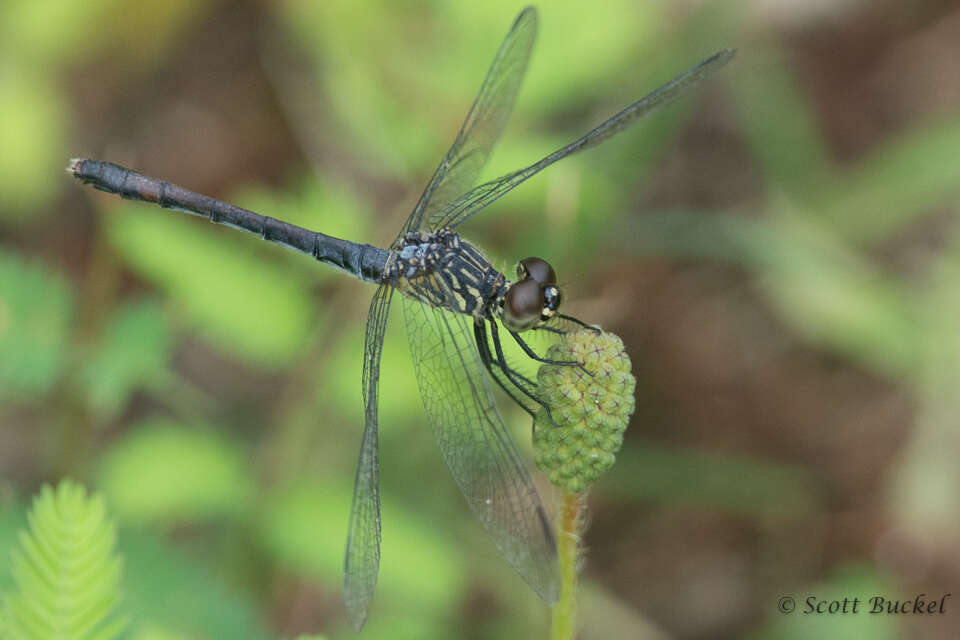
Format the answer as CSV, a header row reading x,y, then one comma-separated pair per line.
x,y
66,571
590,409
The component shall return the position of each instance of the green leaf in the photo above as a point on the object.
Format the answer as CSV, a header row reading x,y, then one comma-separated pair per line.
x,y
43,32
779,125
66,570
35,314
172,595
906,178
305,529
164,472
134,353
239,298
833,296
32,123
382,85
13,518
399,395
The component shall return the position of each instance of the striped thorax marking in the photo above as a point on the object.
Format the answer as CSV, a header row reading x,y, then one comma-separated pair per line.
x,y
442,269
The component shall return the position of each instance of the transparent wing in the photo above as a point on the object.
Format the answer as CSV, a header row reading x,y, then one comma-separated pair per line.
x,y
475,444
478,198
363,538
485,122
522,399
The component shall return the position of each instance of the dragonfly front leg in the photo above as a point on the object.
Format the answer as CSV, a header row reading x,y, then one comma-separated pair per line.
x,y
527,349
583,324
561,332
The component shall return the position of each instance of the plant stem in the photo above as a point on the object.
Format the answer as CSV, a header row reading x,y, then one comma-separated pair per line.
x,y
568,544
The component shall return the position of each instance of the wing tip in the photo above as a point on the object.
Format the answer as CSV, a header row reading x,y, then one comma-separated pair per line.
x,y
357,616
528,13
528,10
356,601
726,55
719,59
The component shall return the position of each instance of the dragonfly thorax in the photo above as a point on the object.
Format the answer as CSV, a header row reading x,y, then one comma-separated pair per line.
x,y
444,270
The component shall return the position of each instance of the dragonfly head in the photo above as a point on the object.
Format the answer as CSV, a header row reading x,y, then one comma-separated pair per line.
x,y
534,298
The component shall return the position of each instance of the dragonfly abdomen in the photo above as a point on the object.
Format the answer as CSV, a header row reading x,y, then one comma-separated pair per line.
x,y
361,260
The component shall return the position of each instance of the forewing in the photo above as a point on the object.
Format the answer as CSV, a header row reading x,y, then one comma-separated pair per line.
x,y
363,539
478,198
484,123
475,443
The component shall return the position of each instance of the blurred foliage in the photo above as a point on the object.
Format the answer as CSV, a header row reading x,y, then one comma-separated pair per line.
x,y
170,594
162,472
208,384
410,90
36,311
739,485
848,583
66,570
420,570
198,263
114,370
31,127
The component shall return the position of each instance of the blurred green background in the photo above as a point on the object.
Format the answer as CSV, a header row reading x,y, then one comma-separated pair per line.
x,y
780,253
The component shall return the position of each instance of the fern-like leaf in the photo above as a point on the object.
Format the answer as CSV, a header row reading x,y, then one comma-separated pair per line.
x,y
66,570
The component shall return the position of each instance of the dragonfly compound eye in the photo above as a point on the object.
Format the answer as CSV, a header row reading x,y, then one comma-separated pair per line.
x,y
551,302
523,305
539,270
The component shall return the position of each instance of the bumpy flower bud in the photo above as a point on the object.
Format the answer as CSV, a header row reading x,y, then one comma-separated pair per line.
x,y
590,412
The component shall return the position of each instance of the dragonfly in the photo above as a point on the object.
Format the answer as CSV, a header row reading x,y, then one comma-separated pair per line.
x,y
454,305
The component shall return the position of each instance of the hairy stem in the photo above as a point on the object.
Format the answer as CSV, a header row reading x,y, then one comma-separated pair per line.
x,y
568,544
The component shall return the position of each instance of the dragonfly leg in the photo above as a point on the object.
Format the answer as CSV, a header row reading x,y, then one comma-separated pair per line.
x,y
579,322
551,330
533,354
512,375
480,335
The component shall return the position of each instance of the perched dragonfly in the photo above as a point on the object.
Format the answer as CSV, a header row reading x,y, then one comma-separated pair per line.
x,y
454,300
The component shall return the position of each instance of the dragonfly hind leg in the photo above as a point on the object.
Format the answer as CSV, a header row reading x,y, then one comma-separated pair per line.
x,y
480,336
517,379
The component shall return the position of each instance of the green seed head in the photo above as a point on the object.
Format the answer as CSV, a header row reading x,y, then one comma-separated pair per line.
x,y
590,412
